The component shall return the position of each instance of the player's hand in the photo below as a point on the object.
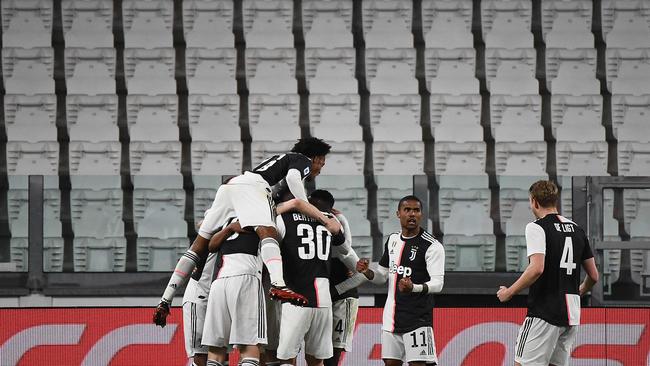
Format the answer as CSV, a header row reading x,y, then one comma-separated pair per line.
x,y
333,226
362,265
161,313
405,285
504,294
335,212
236,227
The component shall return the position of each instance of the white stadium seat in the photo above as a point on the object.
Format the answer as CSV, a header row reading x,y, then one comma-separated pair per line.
x,y
395,158
271,71
395,118
567,24
150,71
274,118
26,23
451,71
152,118
451,113
345,158
327,24
572,72
88,23
90,71
210,158
92,118
335,117
511,72
391,71
447,23
387,23
214,118
628,71
208,23
211,71
330,71
507,23
147,23
30,118
28,71
626,24
268,23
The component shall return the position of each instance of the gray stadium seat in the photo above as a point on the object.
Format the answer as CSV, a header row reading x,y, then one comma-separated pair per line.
x,y
511,72
572,72
390,189
211,71
271,71
205,188
26,23
25,158
28,71
262,150
636,217
460,158
345,158
447,23
451,71
274,117
30,118
268,23
451,114
625,23
327,24
330,71
152,118
87,23
147,23
100,255
210,158
507,23
208,23
335,117
214,118
395,118
629,116
95,158
391,71
628,71
387,23
391,158
90,71
150,71
515,215
567,24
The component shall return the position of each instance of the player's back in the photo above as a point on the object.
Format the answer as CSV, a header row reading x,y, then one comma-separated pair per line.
x,y
566,247
275,168
238,255
305,251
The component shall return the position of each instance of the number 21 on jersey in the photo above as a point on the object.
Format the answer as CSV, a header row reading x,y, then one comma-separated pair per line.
x,y
566,261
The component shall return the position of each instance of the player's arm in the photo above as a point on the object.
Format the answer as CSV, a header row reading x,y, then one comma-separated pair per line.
x,y
377,276
310,210
296,187
223,235
344,252
592,275
435,259
536,250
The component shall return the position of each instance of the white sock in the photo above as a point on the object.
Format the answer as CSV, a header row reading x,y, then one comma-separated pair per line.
x,y
182,272
270,250
249,361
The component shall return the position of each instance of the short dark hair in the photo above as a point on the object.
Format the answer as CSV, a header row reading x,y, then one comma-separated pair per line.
x,y
545,193
410,197
311,147
322,199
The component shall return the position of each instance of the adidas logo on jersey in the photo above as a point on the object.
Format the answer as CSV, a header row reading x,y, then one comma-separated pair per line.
x,y
402,270
423,353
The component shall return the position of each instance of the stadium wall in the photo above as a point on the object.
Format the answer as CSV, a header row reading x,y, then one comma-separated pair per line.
x,y
464,336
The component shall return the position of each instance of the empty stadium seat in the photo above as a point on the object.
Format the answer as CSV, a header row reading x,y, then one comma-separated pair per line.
x,y
577,119
205,188
268,23
26,158
447,23
636,217
30,118
451,114
274,118
572,72
345,158
515,215
351,198
575,158
158,216
390,158
395,118
451,71
462,200
214,118
271,71
625,23
99,255
217,157
90,71
211,71
152,118
629,116
387,23
507,23
391,71
208,23
567,24
327,24
628,71
335,117
96,206
147,23
150,71
634,158
87,23
28,71
511,72
390,189
26,23
330,71
453,158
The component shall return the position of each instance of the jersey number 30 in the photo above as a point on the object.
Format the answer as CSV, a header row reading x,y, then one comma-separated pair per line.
x,y
566,261
310,248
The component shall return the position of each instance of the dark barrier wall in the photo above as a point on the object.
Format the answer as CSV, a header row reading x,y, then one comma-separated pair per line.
x,y
125,336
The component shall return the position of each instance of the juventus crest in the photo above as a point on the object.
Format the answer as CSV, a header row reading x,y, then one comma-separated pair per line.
x,y
414,251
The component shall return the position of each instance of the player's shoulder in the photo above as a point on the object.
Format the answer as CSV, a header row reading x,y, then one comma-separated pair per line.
x,y
428,239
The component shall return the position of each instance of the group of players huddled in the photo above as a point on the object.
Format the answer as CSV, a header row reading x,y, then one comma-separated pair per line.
x,y
262,222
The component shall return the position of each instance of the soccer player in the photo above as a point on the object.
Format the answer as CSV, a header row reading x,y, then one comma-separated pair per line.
x,y
248,197
306,245
556,249
235,312
413,262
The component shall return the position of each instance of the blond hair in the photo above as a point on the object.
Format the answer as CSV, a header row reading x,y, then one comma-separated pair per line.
x,y
545,193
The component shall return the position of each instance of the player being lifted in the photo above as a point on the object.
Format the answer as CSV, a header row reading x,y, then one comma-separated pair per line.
x,y
414,262
248,197
306,247
556,249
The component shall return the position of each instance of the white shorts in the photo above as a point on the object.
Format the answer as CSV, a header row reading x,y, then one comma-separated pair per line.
x,y
236,312
344,315
247,196
193,320
273,316
313,325
414,346
541,343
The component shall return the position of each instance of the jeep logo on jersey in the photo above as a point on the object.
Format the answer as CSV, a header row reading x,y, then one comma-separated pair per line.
x,y
414,251
400,270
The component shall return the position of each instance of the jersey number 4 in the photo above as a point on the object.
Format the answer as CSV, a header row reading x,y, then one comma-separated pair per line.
x,y
310,248
566,261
